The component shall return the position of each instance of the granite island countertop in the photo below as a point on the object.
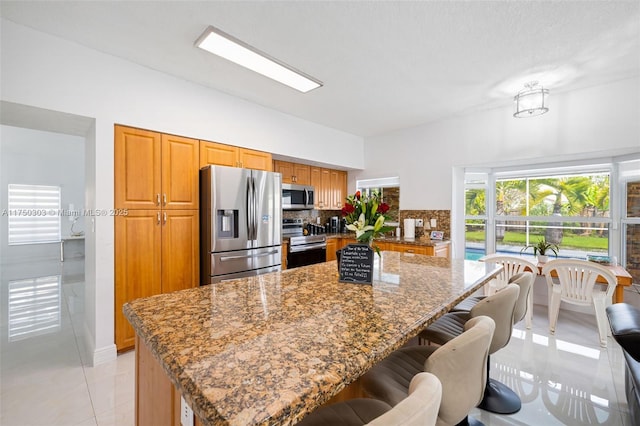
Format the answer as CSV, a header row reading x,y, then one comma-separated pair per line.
x,y
269,349
424,241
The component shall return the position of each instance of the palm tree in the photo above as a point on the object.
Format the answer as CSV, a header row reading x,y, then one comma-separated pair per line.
x,y
570,196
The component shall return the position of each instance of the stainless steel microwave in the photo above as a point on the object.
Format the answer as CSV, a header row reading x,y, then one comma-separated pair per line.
x,y
297,197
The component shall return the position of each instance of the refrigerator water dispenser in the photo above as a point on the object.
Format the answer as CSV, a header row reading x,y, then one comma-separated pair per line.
x,y
227,223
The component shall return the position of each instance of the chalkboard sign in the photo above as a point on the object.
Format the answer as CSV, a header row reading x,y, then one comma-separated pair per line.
x,y
356,264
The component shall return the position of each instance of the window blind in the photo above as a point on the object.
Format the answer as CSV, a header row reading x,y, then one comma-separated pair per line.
x,y
33,214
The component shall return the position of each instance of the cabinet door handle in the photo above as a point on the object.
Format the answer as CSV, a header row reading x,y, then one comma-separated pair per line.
x,y
165,217
164,199
158,218
158,199
410,250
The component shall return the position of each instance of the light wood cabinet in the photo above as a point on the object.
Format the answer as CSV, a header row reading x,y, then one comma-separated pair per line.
x,y
138,262
321,182
157,242
180,250
285,248
156,251
338,188
293,172
233,156
153,170
440,250
407,248
332,246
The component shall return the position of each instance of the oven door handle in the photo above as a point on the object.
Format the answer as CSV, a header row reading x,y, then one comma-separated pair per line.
x,y
307,247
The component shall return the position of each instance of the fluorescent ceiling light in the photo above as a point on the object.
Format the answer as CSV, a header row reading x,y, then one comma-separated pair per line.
x,y
222,44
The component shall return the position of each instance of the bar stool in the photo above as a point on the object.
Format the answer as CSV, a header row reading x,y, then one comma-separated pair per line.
x,y
498,398
419,408
460,364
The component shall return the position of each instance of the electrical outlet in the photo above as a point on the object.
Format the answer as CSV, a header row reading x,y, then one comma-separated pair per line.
x,y
434,223
419,223
186,413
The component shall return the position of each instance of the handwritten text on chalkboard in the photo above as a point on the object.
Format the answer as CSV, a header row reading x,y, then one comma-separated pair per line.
x,y
356,264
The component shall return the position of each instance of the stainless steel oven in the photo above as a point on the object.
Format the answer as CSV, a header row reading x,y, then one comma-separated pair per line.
x,y
303,249
306,250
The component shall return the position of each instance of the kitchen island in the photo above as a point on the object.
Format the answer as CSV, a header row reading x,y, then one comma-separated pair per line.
x,y
269,349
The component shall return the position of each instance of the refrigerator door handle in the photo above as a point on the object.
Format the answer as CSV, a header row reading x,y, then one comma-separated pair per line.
x,y
255,209
249,214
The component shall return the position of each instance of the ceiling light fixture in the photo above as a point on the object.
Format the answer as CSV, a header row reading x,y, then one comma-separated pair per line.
x,y
531,101
230,48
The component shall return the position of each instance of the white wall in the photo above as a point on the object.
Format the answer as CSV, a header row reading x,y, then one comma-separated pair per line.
x,y
585,123
47,72
40,158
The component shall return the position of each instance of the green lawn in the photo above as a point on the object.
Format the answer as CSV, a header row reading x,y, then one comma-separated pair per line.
x,y
569,241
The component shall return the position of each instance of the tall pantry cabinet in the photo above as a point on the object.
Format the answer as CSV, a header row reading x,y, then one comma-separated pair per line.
x,y
156,242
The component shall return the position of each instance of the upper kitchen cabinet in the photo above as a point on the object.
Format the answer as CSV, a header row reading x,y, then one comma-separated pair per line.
x,y
321,182
295,173
233,156
330,188
338,188
153,170
256,160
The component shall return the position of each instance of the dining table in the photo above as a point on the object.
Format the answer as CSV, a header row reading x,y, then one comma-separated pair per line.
x,y
623,279
269,349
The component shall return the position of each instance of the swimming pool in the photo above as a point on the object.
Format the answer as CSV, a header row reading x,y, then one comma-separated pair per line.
x,y
471,253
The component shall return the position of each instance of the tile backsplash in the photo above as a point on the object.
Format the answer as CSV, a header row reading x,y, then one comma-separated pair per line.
x,y
442,217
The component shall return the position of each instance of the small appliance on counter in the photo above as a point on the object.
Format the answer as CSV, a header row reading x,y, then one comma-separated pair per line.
x,y
334,224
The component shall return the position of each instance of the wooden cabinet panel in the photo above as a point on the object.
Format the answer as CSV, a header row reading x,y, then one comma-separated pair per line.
x,y
257,160
324,194
285,247
180,253
315,176
295,173
137,265
332,246
180,179
302,174
232,156
218,154
155,393
137,162
338,188
441,250
407,248
285,168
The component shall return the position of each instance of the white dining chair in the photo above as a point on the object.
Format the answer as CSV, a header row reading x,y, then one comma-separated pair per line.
x,y
512,265
576,284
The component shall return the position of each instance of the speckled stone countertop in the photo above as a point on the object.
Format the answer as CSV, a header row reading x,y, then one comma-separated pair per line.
x,y
269,349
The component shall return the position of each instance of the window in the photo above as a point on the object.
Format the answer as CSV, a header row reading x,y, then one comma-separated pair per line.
x,y
570,210
475,196
33,214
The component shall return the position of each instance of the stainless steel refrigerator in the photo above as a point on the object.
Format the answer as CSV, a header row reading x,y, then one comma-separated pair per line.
x,y
240,223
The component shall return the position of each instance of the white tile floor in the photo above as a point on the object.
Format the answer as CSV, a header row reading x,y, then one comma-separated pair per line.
x,y
566,379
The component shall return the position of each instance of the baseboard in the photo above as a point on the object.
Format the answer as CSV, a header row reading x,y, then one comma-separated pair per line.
x,y
97,356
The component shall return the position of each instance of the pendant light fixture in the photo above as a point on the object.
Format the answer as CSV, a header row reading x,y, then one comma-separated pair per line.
x,y
531,101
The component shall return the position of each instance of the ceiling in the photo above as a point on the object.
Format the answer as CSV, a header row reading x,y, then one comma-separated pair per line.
x,y
385,65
